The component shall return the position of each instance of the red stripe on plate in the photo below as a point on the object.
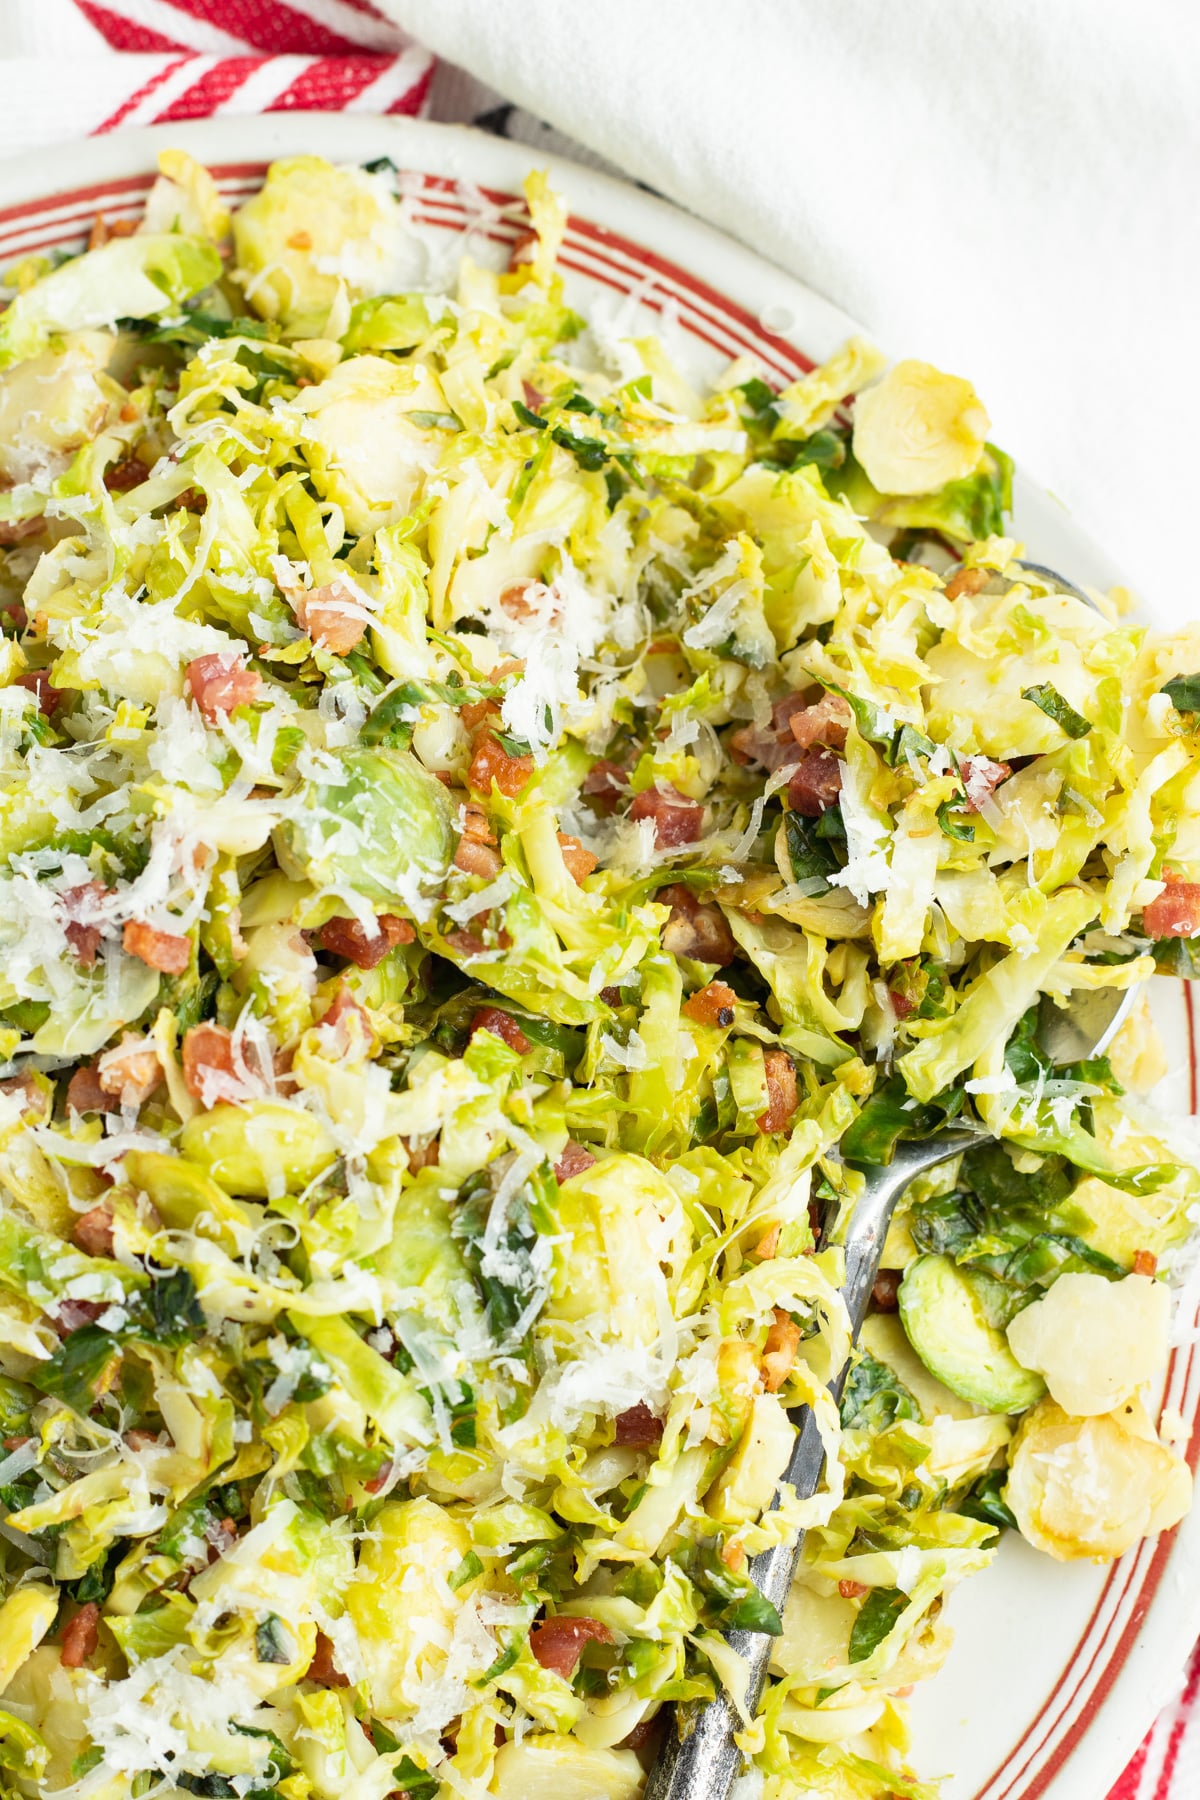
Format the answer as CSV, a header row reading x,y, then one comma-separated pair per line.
x,y
268,25
121,33
143,93
616,252
217,84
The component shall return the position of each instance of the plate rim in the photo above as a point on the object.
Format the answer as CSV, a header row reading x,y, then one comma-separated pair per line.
x,y
1162,1636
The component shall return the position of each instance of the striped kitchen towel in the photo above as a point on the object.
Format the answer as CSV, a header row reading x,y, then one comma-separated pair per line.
x,y
191,59
84,67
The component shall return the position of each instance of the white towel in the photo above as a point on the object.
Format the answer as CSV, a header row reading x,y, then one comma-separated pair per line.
x,y
1008,188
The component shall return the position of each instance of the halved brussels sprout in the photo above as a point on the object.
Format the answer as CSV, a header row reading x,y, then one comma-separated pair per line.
x,y
552,1767
367,436
401,1604
383,830
947,1329
129,278
1094,1341
1090,1488
918,428
265,1149
51,404
25,1618
311,227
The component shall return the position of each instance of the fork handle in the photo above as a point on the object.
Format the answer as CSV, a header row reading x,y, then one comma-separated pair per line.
x,y
699,1759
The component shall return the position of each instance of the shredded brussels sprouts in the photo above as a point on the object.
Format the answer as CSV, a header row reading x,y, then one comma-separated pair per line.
x,y
491,834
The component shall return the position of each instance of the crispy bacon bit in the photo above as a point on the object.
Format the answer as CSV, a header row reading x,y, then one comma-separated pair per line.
x,y
980,778
852,1590
475,823
501,1024
782,1095
515,599
779,1351
141,1440
1176,911
604,784
221,682
711,1005
29,1096
966,581
637,1427
558,1643
579,862
611,996
695,929
300,240
524,248
222,1535
380,1479
476,858
763,745
476,713
573,1161
424,1158
784,710
208,1062
130,1071
81,1636
15,531
902,1006
37,682
337,1020
102,231
161,950
467,943
348,938
676,818
1145,1263
332,616
815,783
770,746
84,1093
825,723
492,763
733,1555
81,930
768,1244
642,1734
322,1667
67,1316
92,1231
886,1291
129,473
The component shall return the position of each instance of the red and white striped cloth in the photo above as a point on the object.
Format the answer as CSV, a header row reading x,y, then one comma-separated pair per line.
x,y
75,68
1167,1767
191,59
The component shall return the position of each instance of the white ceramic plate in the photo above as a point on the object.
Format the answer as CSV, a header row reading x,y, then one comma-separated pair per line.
x,y
1057,1670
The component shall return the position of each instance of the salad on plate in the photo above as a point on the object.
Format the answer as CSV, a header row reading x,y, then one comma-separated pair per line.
x,y
495,835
